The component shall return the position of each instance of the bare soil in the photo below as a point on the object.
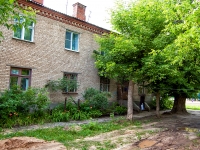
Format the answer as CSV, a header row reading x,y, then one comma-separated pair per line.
x,y
29,143
170,132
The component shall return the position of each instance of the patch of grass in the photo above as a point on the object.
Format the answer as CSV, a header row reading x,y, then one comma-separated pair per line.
x,y
198,134
69,137
192,107
137,123
109,145
139,134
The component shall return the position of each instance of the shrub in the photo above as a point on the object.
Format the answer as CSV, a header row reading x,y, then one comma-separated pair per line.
x,y
16,104
96,99
120,110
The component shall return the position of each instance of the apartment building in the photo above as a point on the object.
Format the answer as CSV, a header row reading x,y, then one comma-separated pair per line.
x,y
56,46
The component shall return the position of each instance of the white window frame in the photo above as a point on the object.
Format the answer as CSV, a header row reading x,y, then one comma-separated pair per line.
x,y
23,32
71,41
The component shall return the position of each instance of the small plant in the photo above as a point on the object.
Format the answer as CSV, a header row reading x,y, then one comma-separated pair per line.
x,y
112,115
95,113
120,110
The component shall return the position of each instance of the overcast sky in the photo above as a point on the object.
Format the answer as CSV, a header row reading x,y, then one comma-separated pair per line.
x,y
97,11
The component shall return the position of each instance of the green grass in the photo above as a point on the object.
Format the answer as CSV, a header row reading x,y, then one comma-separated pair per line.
x,y
192,107
69,137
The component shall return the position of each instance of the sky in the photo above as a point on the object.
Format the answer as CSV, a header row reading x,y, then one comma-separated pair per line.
x,y
97,11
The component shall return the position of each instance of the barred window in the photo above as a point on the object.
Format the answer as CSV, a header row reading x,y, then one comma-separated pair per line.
x,y
104,84
71,82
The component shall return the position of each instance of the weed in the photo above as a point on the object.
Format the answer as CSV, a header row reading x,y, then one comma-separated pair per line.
x,y
137,123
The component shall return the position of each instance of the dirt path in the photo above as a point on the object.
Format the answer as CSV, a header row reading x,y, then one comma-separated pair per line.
x,y
180,133
171,132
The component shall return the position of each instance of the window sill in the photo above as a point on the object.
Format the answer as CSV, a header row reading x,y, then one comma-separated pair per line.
x,y
23,40
71,50
69,93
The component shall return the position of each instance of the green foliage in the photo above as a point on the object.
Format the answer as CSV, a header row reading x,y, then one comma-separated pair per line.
x,y
95,113
96,99
89,93
16,100
60,115
64,84
92,126
165,103
158,43
11,10
120,110
16,104
69,136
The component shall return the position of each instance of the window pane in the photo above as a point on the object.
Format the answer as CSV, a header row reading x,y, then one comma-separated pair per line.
x,y
14,71
75,42
68,40
72,84
24,83
67,44
28,34
25,72
18,33
13,81
68,36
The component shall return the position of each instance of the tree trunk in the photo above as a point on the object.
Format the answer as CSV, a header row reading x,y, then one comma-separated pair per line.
x,y
158,104
130,101
179,105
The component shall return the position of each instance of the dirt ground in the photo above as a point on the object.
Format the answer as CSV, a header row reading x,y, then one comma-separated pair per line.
x,y
171,132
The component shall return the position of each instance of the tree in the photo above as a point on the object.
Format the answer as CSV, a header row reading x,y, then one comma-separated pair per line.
x,y
10,10
183,51
158,43
176,57
137,24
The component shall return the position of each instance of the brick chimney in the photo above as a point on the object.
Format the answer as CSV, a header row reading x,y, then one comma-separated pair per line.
x,y
79,11
38,1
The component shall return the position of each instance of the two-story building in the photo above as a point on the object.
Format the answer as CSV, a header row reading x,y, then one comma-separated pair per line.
x,y
57,45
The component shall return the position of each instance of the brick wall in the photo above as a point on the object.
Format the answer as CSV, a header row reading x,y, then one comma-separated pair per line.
x,y
48,58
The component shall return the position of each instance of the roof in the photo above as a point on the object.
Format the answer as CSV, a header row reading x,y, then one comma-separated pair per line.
x,y
58,16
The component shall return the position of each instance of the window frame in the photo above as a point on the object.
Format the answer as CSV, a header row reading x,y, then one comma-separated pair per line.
x,y
69,75
20,76
22,31
71,41
104,84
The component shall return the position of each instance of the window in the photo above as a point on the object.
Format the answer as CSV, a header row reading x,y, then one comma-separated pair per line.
x,y
20,77
71,41
22,32
104,84
71,82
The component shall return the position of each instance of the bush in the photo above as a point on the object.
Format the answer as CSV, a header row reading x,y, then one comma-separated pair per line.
x,y
165,103
96,99
120,110
15,104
